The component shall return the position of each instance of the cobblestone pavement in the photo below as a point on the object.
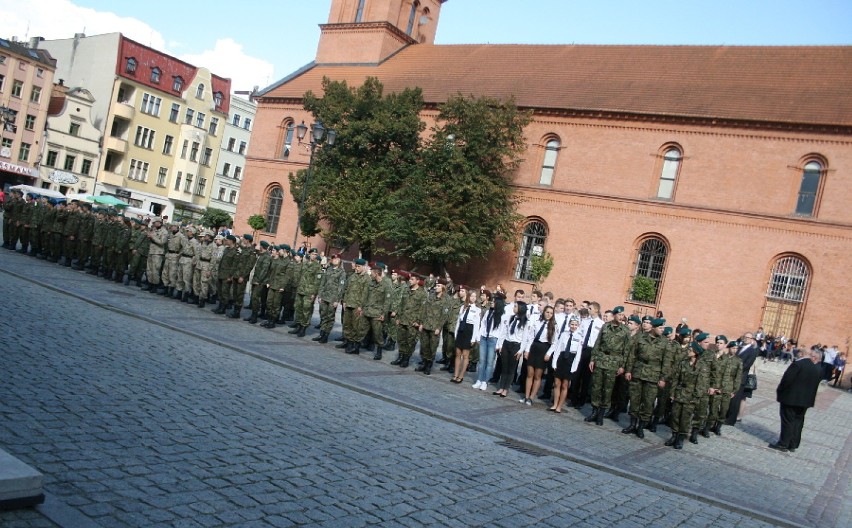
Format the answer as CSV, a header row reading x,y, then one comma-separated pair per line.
x,y
142,411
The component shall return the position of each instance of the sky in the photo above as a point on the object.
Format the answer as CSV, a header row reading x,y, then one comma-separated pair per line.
x,y
256,43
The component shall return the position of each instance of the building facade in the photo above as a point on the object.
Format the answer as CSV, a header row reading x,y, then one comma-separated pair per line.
x,y
702,181
230,169
26,80
72,146
162,121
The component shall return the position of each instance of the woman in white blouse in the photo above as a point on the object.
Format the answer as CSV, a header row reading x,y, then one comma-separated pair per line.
x,y
467,333
513,328
536,347
565,358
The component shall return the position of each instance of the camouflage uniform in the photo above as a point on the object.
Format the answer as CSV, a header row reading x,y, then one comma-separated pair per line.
x,y
375,308
435,315
204,254
648,363
330,293
608,356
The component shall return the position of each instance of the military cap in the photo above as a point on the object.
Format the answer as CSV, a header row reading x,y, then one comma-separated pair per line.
x,y
285,246
335,255
668,331
404,274
635,319
232,238
658,322
219,237
421,282
618,310
684,331
207,232
360,262
733,344
190,229
248,237
722,338
442,281
701,337
157,219
264,244
647,318
695,346
293,252
573,317
380,265
313,250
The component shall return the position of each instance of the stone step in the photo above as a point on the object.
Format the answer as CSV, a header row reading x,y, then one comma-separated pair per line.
x,y
20,485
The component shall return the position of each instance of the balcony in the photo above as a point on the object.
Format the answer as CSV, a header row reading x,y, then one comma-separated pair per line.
x,y
115,143
124,111
111,178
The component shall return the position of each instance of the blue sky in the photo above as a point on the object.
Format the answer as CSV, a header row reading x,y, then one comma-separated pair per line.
x,y
257,43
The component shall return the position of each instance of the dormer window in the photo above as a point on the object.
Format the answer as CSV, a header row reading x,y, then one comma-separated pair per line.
x,y
178,84
130,65
155,75
199,92
217,99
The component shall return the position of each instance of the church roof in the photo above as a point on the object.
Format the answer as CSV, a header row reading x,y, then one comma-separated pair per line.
x,y
778,84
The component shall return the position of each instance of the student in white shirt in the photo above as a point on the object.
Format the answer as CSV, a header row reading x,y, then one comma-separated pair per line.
x,y
536,347
513,328
489,332
467,333
565,359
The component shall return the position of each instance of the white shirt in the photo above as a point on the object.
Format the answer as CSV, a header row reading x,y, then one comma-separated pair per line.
x,y
507,333
594,326
484,331
532,332
564,346
473,317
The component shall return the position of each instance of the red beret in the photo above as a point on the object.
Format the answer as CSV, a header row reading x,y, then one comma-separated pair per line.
x,y
405,275
420,283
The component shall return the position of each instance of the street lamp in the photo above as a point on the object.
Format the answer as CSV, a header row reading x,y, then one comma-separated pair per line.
x,y
7,117
317,133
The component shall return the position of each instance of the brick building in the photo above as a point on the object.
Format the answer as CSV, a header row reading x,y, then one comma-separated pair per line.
x,y
710,182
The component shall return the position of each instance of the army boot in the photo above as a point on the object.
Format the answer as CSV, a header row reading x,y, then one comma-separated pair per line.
x,y
705,431
693,436
652,425
235,313
317,338
640,429
356,348
296,328
343,344
717,428
420,366
396,361
378,355
201,303
679,441
632,427
323,338
403,363
428,368
252,319
391,345
185,297
301,332
592,417
671,441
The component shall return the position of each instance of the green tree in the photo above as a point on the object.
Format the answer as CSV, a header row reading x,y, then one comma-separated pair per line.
x,y
257,222
540,267
215,218
353,181
644,289
459,202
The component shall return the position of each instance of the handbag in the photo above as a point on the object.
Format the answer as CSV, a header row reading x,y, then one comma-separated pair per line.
x,y
751,380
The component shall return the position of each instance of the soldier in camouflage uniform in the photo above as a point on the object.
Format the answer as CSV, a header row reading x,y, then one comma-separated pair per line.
x,y
9,238
721,377
158,237
353,303
373,312
453,301
240,277
291,282
69,233
330,294
607,363
24,221
186,265
729,385
56,231
139,245
391,328
410,318
84,236
306,292
36,217
98,232
706,360
646,368
218,241
259,280
691,380
435,315
204,255
174,246
275,284
120,248
663,408
226,266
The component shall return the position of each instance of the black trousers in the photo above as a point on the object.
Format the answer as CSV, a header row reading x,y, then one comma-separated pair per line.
x,y
792,423
581,381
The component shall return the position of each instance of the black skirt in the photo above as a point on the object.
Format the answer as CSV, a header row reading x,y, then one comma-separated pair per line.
x,y
563,366
537,352
463,337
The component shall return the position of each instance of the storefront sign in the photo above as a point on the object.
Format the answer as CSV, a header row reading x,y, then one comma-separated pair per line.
x,y
17,169
122,193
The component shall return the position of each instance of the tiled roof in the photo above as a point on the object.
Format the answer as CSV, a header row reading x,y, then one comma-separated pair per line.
x,y
38,55
783,84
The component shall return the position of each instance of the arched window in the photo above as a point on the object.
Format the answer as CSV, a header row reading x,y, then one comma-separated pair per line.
x,y
199,92
785,296
648,272
178,84
532,244
359,14
274,200
412,16
669,172
130,65
809,189
217,99
155,75
548,165
288,127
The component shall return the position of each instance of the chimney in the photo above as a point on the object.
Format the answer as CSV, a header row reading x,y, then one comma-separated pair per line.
x,y
61,82
34,42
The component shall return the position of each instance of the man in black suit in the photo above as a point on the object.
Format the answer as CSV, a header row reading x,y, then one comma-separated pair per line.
x,y
796,393
747,354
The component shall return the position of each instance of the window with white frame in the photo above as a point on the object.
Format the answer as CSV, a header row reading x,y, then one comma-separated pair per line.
x,y
548,164
236,120
175,112
138,170
35,94
242,147
669,172
184,149
29,123
161,177
70,160
205,159
167,145
187,183
144,137
190,113
233,197
199,92
151,104
247,124
17,88
86,167
214,125
226,169
155,75
24,153
177,180
238,172
199,119
201,186
193,154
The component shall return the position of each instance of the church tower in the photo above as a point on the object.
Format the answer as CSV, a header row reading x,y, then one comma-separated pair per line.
x,y
370,31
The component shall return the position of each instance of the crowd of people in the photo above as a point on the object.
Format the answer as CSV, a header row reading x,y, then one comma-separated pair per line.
x,y
556,350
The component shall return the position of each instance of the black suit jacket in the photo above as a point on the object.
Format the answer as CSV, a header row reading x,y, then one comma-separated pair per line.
x,y
748,355
799,384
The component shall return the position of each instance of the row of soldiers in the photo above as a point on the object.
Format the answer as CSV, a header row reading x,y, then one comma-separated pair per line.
x,y
682,379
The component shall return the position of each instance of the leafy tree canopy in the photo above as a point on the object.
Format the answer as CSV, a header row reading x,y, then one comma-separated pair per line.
x,y
215,218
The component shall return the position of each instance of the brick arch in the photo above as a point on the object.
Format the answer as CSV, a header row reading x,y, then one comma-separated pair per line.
x,y
533,235
650,255
807,192
286,135
548,158
273,203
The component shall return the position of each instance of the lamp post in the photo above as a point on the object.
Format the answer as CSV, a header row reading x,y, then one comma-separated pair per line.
x,y
317,133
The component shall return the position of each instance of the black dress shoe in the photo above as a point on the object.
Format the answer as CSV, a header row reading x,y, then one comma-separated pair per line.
x,y
778,448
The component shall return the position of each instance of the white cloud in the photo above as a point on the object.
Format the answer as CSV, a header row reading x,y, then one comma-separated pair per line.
x,y
59,19
228,59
